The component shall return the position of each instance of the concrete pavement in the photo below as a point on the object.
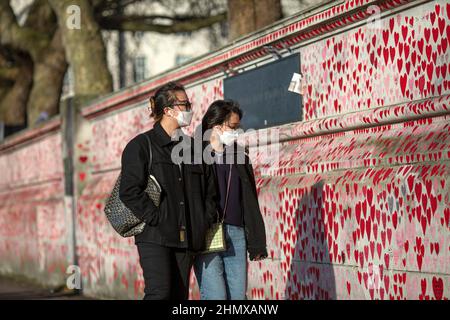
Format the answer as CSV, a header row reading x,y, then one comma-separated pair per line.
x,y
22,289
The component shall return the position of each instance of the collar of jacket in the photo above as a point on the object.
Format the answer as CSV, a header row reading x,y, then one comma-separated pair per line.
x,y
237,148
163,139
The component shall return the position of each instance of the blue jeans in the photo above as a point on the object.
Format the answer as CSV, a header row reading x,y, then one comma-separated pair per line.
x,y
223,275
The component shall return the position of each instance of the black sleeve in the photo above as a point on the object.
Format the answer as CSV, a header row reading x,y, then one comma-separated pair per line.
x,y
251,173
134,182
254,252
262,248
211,195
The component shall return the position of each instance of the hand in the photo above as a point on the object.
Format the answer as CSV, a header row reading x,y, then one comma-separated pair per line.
x,y
259,257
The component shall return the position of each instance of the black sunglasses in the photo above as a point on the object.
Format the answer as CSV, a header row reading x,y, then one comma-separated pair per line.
x,y
186,104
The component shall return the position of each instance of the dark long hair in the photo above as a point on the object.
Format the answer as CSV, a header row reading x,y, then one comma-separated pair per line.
x,y
164,97
219,112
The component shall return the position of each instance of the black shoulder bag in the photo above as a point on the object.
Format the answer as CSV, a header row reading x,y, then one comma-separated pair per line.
x,y
122,219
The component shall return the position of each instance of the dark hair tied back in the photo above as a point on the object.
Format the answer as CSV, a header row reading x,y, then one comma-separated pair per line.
x,y
164,97
152,106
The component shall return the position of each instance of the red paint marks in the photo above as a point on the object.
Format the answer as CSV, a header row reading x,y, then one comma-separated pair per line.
x,y
438,288
420,251
83,159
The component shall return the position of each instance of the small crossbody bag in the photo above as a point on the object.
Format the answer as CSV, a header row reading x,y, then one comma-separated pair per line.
x,y
215,236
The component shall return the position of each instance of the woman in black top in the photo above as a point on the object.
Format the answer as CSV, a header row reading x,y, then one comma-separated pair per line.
x,y
176,229
223,275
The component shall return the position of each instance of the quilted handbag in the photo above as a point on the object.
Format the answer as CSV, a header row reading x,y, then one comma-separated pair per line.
x,y
121,218
215,236
215,239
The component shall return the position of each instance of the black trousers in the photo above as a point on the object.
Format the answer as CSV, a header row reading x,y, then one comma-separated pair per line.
x,y
166,271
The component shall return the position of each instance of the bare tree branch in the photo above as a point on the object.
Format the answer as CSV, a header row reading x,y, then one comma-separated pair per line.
x,y
147,23
104,6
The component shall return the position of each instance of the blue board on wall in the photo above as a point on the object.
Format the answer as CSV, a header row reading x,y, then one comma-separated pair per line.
x,y
263,94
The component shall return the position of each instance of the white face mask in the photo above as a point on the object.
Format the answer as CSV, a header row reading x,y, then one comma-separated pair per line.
x,y
184,118
229,137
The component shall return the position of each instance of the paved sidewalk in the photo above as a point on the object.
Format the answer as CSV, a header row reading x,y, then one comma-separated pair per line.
x,y
21,289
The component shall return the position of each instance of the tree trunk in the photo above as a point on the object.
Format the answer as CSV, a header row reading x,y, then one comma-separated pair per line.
x,y
15,52
246,16
38,90
49,66
48,81
85,50
14,101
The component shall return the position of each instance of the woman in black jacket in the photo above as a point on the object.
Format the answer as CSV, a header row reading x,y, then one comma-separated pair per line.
x,y
223,275
176,228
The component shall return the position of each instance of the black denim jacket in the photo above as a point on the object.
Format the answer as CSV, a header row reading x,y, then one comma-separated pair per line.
x,y
188,200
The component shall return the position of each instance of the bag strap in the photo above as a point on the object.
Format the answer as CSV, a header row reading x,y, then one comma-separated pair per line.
x,y
228,193
150,152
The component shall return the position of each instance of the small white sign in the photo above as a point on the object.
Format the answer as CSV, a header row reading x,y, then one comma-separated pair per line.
x,y
296,83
